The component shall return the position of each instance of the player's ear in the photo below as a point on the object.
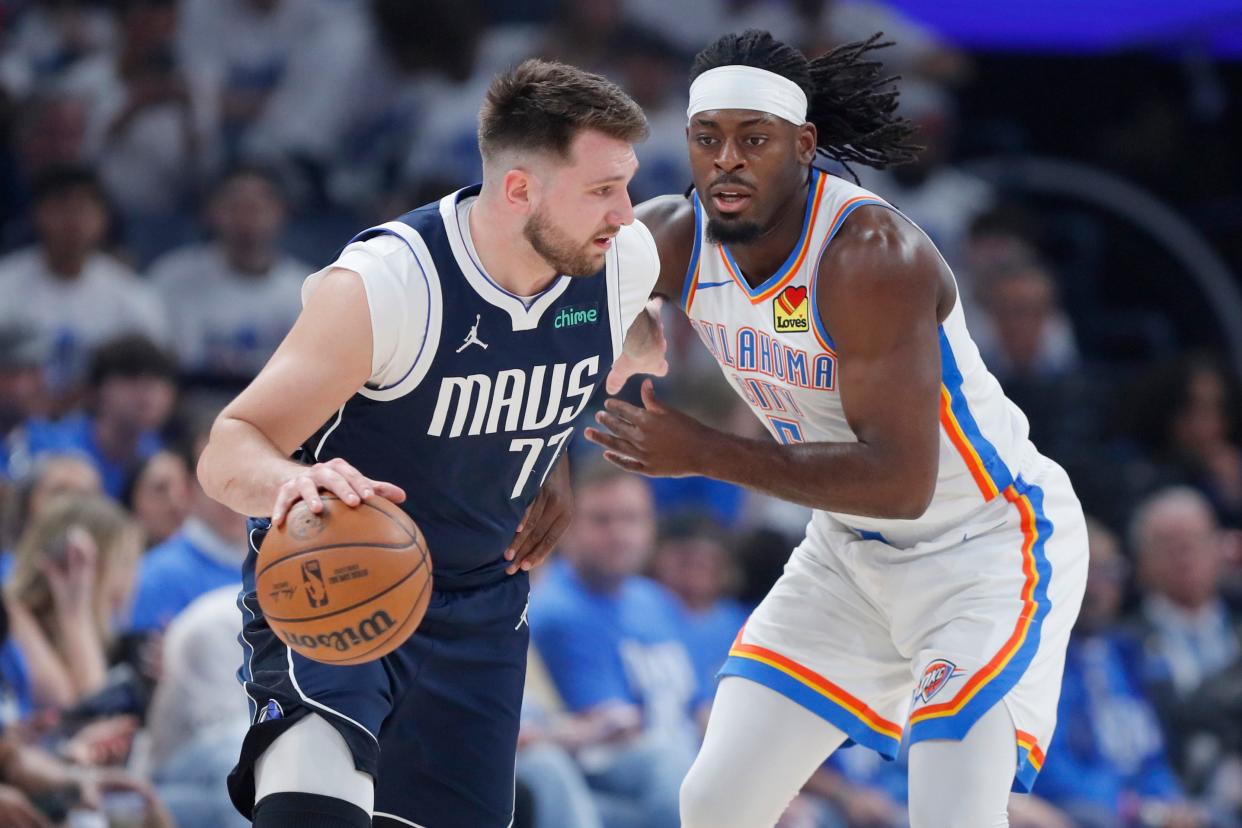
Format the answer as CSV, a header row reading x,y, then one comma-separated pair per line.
x,y
808,138
518,188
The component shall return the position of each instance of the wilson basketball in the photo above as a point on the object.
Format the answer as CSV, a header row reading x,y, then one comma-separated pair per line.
x,y
344,586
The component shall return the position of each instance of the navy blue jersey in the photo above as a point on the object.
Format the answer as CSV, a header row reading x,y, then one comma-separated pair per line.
x,y
476,392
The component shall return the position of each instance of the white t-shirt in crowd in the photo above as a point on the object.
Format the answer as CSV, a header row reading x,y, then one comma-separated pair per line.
x,y
105,301
198,691
227,322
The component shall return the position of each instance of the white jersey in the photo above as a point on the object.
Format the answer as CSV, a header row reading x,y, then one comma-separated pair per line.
x,y
774,350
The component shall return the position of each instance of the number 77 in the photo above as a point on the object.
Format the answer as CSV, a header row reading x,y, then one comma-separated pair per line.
x,y
533,446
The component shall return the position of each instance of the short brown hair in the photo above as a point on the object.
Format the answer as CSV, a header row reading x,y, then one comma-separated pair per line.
x,y
542,105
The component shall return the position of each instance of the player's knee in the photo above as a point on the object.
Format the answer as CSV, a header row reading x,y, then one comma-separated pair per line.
x,y
312,757
305,810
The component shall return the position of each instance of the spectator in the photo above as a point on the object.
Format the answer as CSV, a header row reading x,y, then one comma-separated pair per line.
x,y
262,62
73,576
39,790
50,37
159,495
232,300
584,32
23,391
1028,343
149,128
1106,766
612,642
652,69
1033,338
206,553
1193,646
132,392
692,560
50,476
50,131
76,294
443,149
15,699
545,765
199,713
1189,420
1000,238
36,788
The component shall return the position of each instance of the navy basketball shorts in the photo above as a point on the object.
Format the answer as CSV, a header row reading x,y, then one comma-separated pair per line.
x,y
435,722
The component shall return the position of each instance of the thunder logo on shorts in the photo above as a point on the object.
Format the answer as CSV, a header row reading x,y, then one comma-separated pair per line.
x,y
935,677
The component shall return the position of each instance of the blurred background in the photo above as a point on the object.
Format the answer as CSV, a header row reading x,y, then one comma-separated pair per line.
x,y
170,171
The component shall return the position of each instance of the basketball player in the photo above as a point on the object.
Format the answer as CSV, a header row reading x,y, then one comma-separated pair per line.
x,y
944,564
440,362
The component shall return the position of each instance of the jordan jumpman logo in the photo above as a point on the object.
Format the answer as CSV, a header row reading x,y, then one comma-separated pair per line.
x,y
472,338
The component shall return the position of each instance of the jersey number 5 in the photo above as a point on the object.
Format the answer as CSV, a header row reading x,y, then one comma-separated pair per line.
x,y
534,446
787,431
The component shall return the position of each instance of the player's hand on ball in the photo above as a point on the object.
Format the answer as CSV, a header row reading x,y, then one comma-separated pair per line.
x,y
335,476
545,521
654,440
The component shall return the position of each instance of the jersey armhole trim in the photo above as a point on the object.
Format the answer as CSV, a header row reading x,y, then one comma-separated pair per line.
x,y
982,460
691,279
616,322
426,328
817,323
431,331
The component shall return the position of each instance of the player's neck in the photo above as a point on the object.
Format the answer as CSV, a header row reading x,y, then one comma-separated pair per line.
x,y
506,255
760,259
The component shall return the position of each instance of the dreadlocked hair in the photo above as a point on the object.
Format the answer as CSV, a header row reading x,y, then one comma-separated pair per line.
x,y
849,99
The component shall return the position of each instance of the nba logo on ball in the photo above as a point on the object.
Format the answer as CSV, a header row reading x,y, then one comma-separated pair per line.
x,y
935,677
789,310
312,579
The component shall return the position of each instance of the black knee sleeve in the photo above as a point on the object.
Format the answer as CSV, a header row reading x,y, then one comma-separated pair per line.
x,y
304,810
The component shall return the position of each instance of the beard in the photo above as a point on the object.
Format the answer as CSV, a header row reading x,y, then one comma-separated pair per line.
x,y
732,232
560,251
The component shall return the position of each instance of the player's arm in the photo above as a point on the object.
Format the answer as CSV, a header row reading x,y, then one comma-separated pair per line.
x,y
670,219
321,363
881,290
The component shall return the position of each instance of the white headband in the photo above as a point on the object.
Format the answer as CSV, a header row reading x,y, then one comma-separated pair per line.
x,y
747,87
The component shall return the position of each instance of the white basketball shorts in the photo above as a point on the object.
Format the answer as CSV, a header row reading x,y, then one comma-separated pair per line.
x,y
920,642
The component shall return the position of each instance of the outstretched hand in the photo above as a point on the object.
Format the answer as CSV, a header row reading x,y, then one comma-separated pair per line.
x,y
644,349
655,440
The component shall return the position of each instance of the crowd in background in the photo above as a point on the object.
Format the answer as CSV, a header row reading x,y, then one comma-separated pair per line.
x,y
172,169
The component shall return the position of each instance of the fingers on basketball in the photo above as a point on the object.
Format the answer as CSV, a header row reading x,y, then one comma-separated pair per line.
x,y
344,585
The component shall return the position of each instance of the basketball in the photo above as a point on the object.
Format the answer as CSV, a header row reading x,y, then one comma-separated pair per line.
x,y
347,585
